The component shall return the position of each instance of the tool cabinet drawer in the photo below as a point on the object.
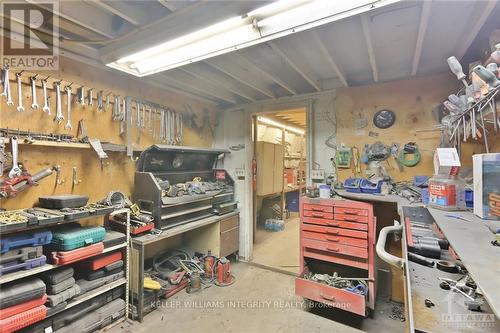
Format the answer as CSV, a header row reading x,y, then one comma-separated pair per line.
x,y
333,223
351,218
332,296
334,248
351,211
322,215
363,243
229,223
335,231
318,208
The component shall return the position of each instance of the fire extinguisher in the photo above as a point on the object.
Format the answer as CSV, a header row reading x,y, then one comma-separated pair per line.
x,y
254,174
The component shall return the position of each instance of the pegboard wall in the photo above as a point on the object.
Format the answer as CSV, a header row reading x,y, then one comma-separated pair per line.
x,y
117,173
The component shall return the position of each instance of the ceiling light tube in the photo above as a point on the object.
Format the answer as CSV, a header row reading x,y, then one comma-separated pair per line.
x,y
272,21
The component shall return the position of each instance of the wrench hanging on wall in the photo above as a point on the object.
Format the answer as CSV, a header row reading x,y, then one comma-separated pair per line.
x,y
34,104
59,115
162,125
90,97
99,100
46,100
20,107
106,108
15,171
68,104
6,86
80,95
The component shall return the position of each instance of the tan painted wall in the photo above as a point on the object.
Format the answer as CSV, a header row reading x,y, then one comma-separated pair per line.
x,y
118,173
413,101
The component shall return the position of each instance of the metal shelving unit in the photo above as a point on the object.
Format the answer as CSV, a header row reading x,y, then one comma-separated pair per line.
x,y
93,293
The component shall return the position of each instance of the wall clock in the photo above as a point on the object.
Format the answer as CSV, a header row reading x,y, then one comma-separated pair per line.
x,y
384,118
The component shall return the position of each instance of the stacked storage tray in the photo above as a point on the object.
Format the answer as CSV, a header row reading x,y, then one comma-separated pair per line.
x,y
53,289
66,295
21,258
23,319
21,304
113,238
98,318
21,307
86,286
73,236
103,260
68,316
67,257
25,239
13,293
110,269
57,275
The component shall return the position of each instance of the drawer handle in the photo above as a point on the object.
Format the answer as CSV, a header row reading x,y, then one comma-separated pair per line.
x,y
336,249
317,209
332,232
327,297
334,239
352,219
334,224
317,214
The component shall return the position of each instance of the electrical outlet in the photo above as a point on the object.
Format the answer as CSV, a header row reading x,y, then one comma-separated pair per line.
x,y
318,174
240,173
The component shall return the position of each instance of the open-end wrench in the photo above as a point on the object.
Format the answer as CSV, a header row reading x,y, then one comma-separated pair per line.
x,y
143,116
90,97
20,107
16,170
59,115
162,124
68,125
34,104
99,100
106,108
5,81
46,103
179,128
115,108
150,120
8,91
138,114
80,95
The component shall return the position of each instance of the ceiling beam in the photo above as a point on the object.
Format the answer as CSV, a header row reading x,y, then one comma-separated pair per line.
x,y
258,87
84,15
465,43
185,81
292,64
212,80
329,57
113,10
422,28
168,4
365,24
273,78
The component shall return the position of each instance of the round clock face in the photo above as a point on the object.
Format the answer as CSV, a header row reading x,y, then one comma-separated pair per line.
x,y
384,118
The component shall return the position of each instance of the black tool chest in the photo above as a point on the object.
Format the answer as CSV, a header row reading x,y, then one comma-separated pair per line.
x,y
178,185
47,279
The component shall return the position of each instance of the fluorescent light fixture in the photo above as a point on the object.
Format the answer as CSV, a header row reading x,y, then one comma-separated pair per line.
x,y
272,21
274,123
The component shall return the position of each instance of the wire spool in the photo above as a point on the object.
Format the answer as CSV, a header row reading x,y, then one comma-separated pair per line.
x,y
409,162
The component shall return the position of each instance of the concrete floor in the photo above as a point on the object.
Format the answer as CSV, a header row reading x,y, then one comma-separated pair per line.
x,y
279,249
260,301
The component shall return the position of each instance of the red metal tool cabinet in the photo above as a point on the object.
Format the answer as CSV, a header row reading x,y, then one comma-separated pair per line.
x,y
340,234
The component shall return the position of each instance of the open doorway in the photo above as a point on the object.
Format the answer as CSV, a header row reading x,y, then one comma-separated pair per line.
x,y
280,155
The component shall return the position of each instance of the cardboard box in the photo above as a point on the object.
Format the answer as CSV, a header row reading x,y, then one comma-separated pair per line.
x,y
446,162
486,172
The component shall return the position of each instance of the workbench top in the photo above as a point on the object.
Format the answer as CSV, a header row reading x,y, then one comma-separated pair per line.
x,y
471,240
180,229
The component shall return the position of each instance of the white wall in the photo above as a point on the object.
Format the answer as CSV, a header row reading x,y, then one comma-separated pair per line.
x,y
234,127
